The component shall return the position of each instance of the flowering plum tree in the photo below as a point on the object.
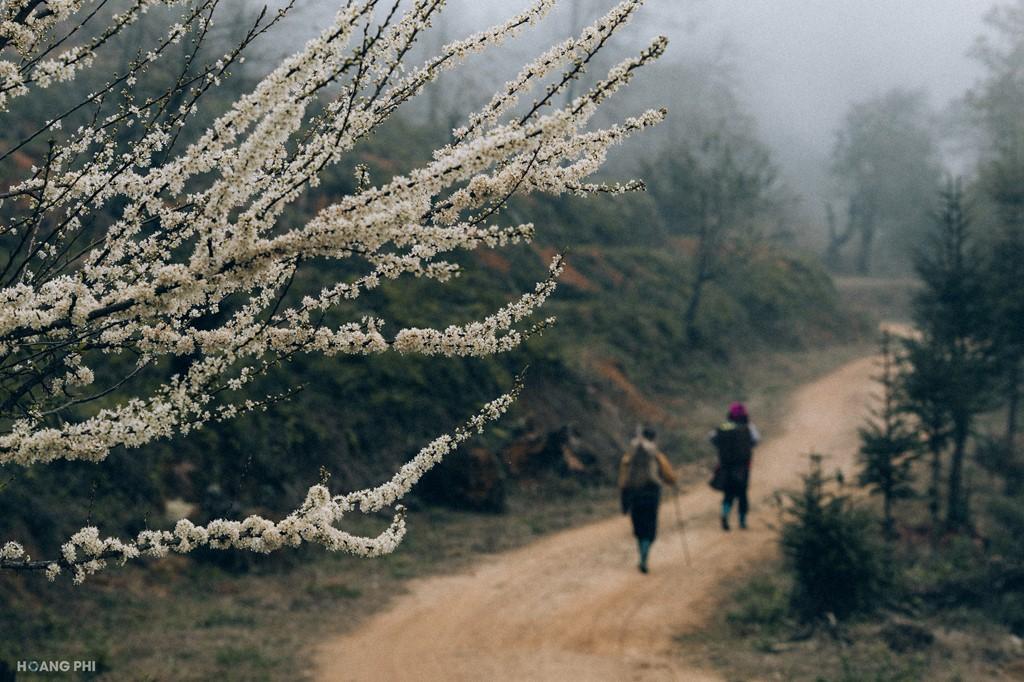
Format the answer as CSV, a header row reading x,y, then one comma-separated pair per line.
x,y
137,239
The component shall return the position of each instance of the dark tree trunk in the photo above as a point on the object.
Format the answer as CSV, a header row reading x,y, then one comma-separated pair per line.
x,y
867,242
832,255
934,500
690,317
956,504
888,524
836,239
705,268
1013,473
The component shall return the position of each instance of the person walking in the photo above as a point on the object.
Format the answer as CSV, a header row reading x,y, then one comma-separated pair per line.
x,y
642,471
735,440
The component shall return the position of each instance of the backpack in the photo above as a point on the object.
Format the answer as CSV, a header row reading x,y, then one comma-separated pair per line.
x,y
643,468
734,443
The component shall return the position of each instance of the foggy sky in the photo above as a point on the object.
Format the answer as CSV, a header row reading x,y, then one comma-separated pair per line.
x,y
798,64
801,63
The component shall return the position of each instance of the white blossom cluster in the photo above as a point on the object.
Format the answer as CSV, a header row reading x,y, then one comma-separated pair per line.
x,y
27,27
315,521
201,232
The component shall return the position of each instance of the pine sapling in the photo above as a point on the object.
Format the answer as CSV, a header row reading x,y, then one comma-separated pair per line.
x,y
888,443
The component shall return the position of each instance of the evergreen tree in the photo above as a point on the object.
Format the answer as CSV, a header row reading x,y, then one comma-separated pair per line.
x,y
888,443
922,390
951,363
996,102
1006,292
832,554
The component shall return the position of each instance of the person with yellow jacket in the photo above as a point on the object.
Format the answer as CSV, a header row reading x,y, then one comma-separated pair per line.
x,y
642,472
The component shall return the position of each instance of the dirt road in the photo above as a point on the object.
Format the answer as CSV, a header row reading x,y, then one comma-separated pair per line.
x,y
573,606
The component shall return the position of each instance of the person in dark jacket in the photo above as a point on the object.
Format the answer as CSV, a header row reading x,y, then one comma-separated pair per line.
x,y
735,440
642,472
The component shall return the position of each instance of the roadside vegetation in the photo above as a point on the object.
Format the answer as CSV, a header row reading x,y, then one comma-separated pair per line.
x,y
913,568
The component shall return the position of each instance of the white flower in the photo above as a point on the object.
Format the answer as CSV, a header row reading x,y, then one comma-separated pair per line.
x,y
12,551
206,231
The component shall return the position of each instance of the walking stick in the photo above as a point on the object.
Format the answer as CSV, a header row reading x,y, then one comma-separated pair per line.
x,y
682,528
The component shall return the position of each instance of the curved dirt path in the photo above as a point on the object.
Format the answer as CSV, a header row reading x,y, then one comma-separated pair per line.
x,y
572,606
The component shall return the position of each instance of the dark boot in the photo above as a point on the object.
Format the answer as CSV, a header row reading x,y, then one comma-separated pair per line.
x,y
725,523
645,548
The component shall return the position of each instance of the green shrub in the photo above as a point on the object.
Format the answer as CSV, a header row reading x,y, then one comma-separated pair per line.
x,y
830,548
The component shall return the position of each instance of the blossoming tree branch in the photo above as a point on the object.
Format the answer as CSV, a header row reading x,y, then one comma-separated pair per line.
x,y
131,227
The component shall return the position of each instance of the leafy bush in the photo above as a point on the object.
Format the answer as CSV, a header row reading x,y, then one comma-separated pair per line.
x,y
830,548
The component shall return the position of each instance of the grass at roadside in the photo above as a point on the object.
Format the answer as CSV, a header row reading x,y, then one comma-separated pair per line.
x,y
753,637
187,620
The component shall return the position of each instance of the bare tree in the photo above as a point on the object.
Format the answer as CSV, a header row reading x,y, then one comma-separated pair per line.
x,y
713,191
886,161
